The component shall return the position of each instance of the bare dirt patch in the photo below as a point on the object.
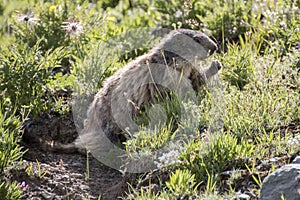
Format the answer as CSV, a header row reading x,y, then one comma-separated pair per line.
x,y
59,175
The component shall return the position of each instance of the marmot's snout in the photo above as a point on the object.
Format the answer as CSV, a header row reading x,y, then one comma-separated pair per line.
x,y
212,49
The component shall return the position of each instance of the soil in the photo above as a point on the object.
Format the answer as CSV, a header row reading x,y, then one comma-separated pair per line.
x,y
59,175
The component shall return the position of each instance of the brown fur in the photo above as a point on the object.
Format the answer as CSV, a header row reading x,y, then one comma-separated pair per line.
x,y
141,80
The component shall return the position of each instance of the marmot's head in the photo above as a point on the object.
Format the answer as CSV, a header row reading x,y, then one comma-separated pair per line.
x,y
188,44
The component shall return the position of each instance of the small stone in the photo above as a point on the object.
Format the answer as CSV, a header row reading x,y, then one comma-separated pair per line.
x,y
60,187
77,197
77,164
243,197
65,177
274,159
47,195
296,160
84,187
77,175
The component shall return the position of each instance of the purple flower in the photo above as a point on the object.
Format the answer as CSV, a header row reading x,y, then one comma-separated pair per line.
x,y
23,185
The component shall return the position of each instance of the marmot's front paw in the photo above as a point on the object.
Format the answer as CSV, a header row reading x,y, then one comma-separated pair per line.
x,y
216,64
213,69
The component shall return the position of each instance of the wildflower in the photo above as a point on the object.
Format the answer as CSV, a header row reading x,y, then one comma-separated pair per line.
x,y
52,8
192,22
170,158
23,185
72,27
282,24
185,162
298,46
27,18
178,14
294,141
187,4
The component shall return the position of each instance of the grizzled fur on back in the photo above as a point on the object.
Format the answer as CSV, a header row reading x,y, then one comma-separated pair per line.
x,y
140,81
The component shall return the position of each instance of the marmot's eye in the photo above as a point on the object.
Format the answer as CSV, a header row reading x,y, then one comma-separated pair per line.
x,y
198,38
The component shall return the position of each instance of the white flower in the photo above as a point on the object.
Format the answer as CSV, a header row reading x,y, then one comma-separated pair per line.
x,y
178,14
73,27
294,141
298,46
170,158
27,18
282,24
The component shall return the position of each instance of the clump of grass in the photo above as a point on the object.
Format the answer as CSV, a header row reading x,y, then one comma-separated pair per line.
x,y
238,63
223,151
10,136
150,139
24,74
10,190
10,149
182,182
267,103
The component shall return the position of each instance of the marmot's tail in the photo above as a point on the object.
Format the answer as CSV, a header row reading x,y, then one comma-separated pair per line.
x,y
54,146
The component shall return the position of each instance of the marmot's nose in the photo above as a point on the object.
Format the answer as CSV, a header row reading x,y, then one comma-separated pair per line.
x,y
212,48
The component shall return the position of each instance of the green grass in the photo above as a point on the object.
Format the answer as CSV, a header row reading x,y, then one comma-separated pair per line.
x,y
247,120
10,150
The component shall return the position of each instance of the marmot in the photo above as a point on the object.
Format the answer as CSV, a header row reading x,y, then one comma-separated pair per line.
x,y
141,80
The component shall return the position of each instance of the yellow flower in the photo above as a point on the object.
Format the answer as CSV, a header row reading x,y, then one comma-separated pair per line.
x,y
111,18
52,8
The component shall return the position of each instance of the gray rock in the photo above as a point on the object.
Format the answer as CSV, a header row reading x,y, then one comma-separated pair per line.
x,y
296,160
47,195
284,181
